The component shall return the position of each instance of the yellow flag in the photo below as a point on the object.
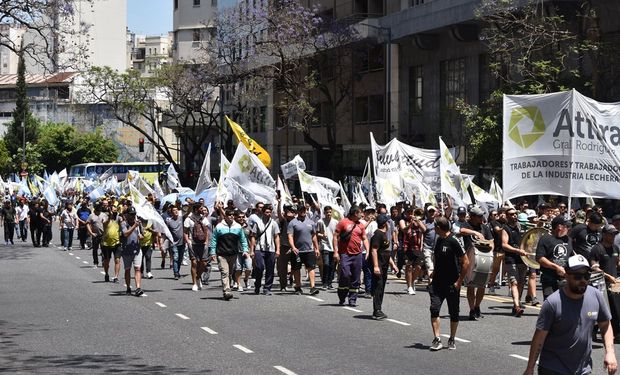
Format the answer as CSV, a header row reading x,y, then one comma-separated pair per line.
x,y
249,143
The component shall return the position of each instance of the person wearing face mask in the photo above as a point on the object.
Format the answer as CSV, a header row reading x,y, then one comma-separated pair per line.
x,y
563,336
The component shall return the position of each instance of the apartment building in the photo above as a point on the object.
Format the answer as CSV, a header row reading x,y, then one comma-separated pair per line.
x,y
192,25
147,53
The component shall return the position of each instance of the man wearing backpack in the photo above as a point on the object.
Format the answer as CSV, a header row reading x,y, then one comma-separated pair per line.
x,y
266,245
197,229
349,236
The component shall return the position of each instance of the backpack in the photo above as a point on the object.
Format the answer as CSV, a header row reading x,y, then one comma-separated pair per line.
x,y
198,231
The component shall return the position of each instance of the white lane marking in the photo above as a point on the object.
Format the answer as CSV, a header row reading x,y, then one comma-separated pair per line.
x,y
182,316
519,357
78,258
85,262
69,253
315,298
103,273
457,338
284,370
208,330
160,304
398,322
351,309
243,348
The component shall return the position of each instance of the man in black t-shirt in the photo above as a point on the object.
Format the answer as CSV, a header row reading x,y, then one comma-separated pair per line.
x,y
379,261
585,236
451,265
475,294
552,253
513,264
604,257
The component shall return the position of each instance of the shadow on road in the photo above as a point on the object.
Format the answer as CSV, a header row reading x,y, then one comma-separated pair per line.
x,y
16,253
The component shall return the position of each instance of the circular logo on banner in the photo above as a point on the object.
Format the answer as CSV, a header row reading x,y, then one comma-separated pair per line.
x,y
526,126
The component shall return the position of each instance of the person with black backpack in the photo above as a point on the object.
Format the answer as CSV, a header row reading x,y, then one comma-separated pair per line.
x,y
197,230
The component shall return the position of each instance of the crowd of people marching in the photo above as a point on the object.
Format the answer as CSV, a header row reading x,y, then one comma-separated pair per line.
x,y
431,246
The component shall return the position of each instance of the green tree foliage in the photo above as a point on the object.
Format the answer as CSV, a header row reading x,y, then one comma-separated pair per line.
x,y
6,161
34,161
21,115
61,145
532,49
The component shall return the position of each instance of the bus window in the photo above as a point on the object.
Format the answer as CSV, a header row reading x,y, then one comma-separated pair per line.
x,y
77,171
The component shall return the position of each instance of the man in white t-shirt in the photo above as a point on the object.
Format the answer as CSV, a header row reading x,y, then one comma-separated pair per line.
x,y
325,228
265,241
22,218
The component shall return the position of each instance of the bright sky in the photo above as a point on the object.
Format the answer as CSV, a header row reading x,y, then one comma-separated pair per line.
x,y
149,17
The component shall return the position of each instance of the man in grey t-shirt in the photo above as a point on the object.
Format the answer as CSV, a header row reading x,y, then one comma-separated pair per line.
x,y
177,245
563,336
302,239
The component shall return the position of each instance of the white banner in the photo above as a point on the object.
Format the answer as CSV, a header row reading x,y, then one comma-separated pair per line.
x,y
251,176
290,169
391,160
562,144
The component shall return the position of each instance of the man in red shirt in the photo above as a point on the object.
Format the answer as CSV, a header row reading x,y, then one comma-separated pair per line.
x,y
349,235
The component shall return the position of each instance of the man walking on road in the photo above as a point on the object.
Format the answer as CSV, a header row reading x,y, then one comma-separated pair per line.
x,y
94,226
563,336
9,218
177,245
447,279
302,239
266,245
224,247
132,254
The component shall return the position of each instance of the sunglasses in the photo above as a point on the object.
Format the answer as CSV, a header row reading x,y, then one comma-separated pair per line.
x,y
581,276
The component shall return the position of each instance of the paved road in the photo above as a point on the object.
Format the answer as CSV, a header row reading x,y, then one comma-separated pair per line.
x,y
57,315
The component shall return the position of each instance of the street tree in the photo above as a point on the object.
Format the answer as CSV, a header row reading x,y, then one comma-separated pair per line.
x,y
279,46
181,95
50,31
16,135
61,145
533,48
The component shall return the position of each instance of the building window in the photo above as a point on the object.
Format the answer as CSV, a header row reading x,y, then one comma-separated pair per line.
x,y
415,90
176,4
196,3
369,109
370,59
213,3
196,35
452,89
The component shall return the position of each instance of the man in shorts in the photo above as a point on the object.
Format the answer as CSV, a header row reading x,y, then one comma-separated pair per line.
x,y
302,240
446,281
110,242
132,253
197,229
513,264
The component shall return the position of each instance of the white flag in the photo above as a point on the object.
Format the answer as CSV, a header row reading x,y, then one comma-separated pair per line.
x,y
173,178
290,169
204,180
450,174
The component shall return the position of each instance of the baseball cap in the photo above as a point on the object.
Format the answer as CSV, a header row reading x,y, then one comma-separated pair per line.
x,y
382,219
476,211
559,220
131,210
577,262
461,211
431,208
610,229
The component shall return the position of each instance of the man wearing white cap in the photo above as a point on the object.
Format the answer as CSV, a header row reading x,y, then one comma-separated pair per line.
x,y
563,336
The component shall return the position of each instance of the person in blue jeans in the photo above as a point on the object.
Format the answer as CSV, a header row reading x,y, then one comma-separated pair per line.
x,y
68,222
177,245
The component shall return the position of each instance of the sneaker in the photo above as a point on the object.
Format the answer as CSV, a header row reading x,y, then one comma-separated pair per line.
x,y
245,282
194,288
528,299
176,277
323,287
185,263
451,343
115,280
139,292
286,289
199,284
228,296
314,291
239,288
128,291
410,291
299,291
330,287
367,295
149,275
519,311
399,274
163,264
107,278
95,266
436,345
492,289
378,315
534,302
478,313
234,285
266,292
472,315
